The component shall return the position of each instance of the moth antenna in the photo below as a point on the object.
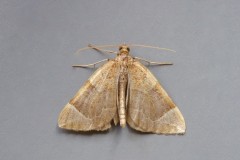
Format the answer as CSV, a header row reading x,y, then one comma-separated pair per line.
x,y
98,48
105,46
154,47
101,50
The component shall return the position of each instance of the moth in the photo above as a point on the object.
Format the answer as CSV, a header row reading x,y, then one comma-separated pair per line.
x,y
122,91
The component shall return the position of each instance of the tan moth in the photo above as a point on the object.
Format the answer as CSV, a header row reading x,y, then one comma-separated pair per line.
x,y
124,91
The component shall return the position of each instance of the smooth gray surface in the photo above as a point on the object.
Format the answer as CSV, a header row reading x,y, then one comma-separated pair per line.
x,y
37,44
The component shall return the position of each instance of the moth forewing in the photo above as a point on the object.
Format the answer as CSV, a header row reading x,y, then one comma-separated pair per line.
x,y
150,108
94,106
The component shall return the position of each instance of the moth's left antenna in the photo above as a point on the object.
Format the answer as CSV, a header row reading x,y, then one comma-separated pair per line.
x,y
98,48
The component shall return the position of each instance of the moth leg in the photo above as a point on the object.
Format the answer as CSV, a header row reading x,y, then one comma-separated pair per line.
x,y
150,63
128,90
90,65
116,117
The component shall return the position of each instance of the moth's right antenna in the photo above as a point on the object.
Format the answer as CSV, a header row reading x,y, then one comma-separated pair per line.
x,y
154,47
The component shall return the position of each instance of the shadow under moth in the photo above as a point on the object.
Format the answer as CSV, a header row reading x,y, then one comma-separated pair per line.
x,y
124,91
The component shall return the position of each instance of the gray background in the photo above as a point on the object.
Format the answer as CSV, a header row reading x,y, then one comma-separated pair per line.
x,y
38,40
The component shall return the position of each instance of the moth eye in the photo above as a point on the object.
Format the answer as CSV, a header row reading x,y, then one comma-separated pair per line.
x,y
128,49
120,48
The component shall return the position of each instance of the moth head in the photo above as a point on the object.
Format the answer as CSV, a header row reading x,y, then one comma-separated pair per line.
x,y
124,49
